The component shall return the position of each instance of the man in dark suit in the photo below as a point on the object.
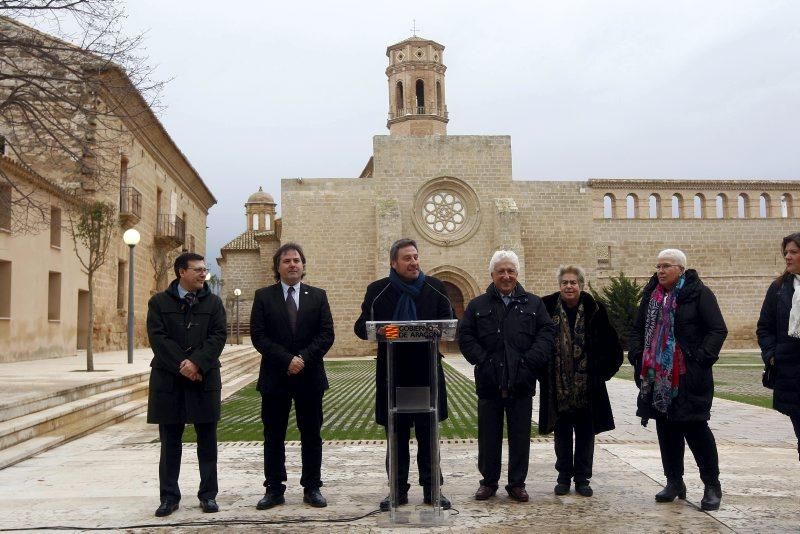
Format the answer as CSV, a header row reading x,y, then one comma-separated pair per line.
x,y
291,326
406,294
186,328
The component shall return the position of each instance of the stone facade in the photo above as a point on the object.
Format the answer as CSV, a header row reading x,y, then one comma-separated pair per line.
x,y
456,197
156,191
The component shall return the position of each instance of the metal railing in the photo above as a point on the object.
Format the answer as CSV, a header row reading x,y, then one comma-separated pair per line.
x,y
130,201
171,227
440,111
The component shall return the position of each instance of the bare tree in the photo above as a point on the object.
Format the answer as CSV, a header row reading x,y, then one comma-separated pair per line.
x,y
69,80
91,225
162,260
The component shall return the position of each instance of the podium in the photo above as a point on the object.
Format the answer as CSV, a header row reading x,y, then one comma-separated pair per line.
x,y
413,400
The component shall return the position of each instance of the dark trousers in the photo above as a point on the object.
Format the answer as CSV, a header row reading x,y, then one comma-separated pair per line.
x,y
275,416
671,439
169,465
578,465
491,413
422,431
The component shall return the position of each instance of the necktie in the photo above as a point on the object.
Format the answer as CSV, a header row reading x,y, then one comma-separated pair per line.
x,y
190,299
291,309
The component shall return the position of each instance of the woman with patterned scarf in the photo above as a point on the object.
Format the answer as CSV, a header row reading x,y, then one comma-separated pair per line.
x,y
574,397
779,333
677,336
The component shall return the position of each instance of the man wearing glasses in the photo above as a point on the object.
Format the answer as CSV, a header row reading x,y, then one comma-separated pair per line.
x,y
186,328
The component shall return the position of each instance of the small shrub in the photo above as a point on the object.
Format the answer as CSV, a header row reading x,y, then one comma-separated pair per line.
x,y
621,297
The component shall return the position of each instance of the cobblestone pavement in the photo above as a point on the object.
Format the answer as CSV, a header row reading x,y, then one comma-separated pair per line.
x,y
109,479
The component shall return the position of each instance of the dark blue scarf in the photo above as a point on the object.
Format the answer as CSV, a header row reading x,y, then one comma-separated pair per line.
x,y
406,308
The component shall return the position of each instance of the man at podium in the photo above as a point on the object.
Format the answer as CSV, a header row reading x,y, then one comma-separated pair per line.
x,y
407,294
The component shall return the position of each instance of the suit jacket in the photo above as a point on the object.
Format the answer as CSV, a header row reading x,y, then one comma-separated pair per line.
x,y
411,359
273,338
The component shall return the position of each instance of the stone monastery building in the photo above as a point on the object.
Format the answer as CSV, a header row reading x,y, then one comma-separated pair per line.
x,y
455,195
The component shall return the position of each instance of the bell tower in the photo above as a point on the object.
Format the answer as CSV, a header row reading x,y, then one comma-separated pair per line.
x,y
260,211
417,105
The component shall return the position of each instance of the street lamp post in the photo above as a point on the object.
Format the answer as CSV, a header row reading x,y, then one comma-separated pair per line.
x,y
237,292
131,238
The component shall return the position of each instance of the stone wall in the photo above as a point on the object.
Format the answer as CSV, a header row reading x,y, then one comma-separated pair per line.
x,y
123,129
347,225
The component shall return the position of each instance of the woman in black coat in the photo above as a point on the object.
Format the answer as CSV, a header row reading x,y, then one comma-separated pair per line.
x,y
778,333
574,397
675,340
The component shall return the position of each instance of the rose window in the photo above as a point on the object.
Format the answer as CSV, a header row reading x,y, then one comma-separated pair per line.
x,y
444,212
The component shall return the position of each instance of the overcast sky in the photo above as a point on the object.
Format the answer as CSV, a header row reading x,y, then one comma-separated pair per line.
x,y
618,88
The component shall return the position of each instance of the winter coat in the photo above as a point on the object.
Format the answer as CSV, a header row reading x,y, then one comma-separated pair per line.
x,y
411,359
775,342
510,346
178,332
699,331
604,353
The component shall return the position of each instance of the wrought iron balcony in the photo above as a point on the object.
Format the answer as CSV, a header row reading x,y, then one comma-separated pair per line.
x,y
170,230
438,111
130,206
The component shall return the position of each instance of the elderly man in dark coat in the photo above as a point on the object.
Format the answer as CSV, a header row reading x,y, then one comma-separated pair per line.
x,y
676,338
574,397
507,335
407,294
186,328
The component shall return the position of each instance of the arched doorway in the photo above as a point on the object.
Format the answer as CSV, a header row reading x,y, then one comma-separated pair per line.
x,y
457,300
461,288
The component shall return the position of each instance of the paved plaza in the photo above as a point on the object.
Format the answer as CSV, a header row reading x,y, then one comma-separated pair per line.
x,y
109,479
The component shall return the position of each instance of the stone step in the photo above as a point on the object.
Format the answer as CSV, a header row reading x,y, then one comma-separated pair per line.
x,y
44,421
44,402
35,403
75,429
24,436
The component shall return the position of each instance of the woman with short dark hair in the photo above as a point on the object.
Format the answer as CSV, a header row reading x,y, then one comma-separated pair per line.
x,y
675,340
778,332
574,398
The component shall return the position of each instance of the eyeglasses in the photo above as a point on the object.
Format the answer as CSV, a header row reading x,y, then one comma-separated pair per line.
x,y
199,270
665,266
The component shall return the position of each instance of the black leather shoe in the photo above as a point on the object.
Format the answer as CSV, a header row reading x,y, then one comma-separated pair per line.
x,y
401,499
712,497
444,502
166,508
674,488
209,506
313,497
583,489
562,488
269,500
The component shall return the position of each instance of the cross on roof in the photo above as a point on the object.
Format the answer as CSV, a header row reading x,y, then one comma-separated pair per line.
x,y
414,27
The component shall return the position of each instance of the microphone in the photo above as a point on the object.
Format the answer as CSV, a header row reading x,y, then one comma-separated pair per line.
x,y
372,305
449,304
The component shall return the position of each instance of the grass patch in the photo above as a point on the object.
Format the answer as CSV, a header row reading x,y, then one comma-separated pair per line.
x,y
348,407
763,401
739,382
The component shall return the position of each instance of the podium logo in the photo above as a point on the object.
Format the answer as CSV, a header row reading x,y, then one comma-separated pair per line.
x,y
392,331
